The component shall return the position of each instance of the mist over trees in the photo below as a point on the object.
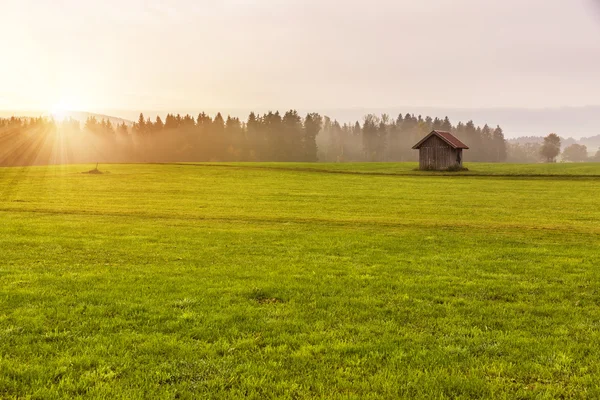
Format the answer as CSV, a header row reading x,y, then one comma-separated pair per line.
x,y
575,153
524,153
383,138
271,136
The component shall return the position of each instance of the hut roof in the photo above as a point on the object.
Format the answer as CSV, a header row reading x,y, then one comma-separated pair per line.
x,y
446,137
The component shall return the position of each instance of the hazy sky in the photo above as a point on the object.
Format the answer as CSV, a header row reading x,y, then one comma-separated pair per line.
x,y
311,54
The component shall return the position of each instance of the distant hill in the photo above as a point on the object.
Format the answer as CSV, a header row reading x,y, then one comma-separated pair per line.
x,y
80,116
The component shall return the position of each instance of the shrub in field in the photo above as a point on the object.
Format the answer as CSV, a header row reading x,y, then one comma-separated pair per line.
x,y
457,168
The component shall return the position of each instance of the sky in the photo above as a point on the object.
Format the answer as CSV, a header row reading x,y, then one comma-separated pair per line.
x,y
305,54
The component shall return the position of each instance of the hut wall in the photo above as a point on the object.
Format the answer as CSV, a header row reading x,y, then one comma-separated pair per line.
x,y
435,154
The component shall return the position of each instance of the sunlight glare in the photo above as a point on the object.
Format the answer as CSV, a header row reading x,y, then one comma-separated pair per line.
x,y
61,110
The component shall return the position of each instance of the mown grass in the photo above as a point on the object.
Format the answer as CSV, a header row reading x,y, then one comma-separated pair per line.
x,y
247,281
474,169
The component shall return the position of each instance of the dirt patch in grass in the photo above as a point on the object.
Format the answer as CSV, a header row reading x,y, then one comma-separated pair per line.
x,y
273,300
94,171
262,297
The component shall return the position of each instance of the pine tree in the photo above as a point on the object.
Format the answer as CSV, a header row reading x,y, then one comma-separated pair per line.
x,y
91,125
292,149
149,126
272,128
170,123
382,137
256,143
158,125
429,124
122,130
499,145
312,126
203,146
108,128
446,125
335,146
139,128
473,141
233,139
216,138
370,135
487,146
399,120
395,143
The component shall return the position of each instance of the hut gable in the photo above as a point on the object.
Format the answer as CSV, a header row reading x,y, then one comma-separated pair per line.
x,y
447,137
440,151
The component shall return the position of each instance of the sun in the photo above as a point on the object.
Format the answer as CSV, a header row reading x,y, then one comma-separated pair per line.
x,y
61,110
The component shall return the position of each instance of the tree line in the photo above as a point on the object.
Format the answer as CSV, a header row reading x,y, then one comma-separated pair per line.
x,y
270,136
382,138
550,150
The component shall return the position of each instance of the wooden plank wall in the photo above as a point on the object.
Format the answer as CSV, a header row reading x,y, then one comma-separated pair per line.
x,y
436,154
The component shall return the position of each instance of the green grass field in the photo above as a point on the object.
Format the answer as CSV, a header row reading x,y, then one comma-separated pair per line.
x,y
349,281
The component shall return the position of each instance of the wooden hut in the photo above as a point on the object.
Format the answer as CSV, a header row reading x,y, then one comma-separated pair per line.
x,y
440,151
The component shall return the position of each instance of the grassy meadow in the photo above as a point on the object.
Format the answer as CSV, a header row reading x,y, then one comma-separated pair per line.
x,y
331,281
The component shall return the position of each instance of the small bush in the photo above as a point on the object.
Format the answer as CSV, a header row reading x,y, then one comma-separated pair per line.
x,y
454,168
457,168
